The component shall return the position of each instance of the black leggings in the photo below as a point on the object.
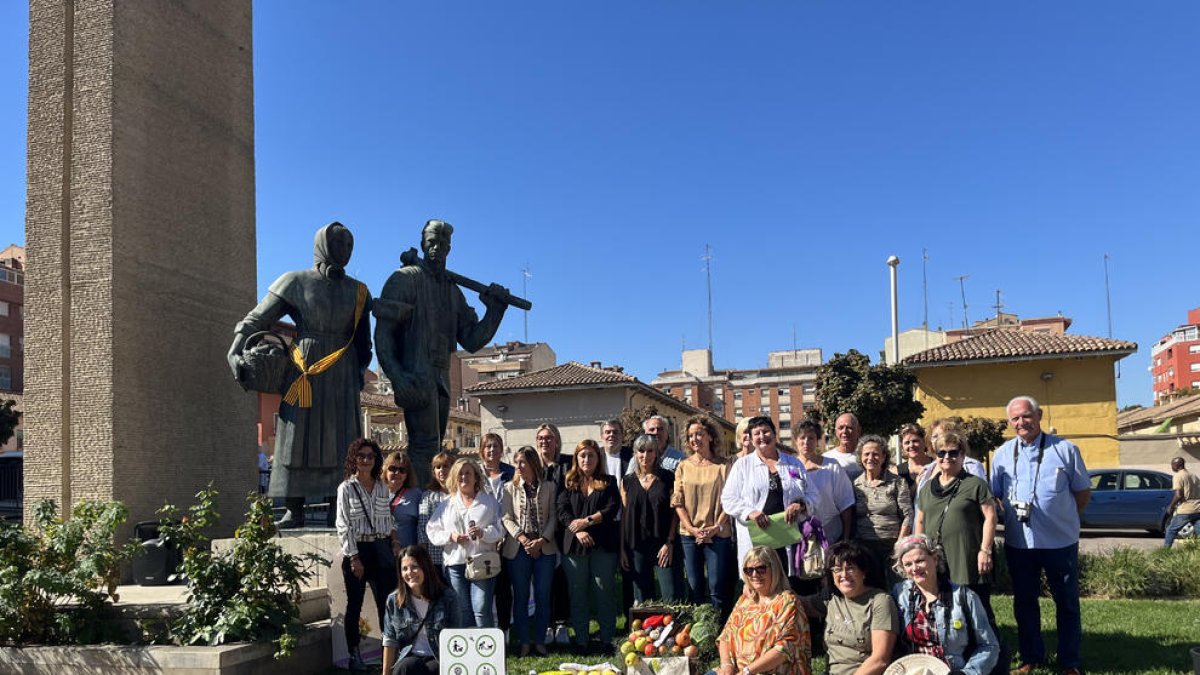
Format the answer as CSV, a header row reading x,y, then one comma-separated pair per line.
x,y
416,665
379,570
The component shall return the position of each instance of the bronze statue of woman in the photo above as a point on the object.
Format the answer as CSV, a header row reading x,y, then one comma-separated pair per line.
x,y
320,413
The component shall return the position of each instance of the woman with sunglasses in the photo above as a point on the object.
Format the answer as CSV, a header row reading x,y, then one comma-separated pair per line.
x,y
941,619
649,526
365,529
767,632
957,511
406,498
861,621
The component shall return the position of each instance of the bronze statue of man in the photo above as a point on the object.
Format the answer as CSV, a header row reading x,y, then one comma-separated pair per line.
x,y
320,413
421,315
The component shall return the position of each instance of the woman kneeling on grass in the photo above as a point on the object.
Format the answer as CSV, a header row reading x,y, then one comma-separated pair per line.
x,y
941,619
415,614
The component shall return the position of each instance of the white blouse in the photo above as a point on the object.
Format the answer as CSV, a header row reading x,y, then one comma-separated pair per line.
x,y
354,522
452,516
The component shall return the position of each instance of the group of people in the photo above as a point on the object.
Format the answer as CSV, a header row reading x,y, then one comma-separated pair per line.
x,y
678,524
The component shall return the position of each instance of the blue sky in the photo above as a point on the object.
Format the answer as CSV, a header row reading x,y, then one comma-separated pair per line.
x,y
604,144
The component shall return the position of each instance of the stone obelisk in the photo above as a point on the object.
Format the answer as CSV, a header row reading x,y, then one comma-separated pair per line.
x,y
141,252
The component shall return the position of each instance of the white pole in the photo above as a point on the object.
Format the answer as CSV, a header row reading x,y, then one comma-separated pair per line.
x,y
894,262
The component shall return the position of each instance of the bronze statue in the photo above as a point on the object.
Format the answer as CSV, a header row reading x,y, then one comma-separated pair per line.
x,y
421,316
320,413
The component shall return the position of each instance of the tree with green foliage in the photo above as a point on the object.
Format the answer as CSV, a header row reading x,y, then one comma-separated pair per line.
x,y
983,434
10,417
880,396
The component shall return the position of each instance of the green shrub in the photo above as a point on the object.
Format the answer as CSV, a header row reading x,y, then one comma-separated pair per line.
x,y
57,579
247,593
1130,573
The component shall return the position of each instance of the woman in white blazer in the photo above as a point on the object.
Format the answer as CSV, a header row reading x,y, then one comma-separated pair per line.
x,y
761,484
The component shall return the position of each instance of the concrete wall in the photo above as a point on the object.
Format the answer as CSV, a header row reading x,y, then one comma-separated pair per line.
x,y
141,251
576,412
1079,399
1154,451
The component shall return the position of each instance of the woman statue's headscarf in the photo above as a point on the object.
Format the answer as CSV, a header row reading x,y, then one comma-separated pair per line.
x,y
331,250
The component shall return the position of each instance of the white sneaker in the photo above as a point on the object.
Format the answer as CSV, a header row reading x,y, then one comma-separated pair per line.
x,y
561,636
549,636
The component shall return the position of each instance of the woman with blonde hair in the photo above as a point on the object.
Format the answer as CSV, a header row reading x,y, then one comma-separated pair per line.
x,y
466,524
435,493
767,632
587,512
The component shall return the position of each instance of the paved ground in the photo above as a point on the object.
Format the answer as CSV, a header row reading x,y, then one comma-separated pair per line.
x,y
1094,541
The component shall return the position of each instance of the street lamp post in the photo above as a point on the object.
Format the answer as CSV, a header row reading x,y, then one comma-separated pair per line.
x,y
894,262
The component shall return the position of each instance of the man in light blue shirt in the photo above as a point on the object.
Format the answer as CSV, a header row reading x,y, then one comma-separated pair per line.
x,y
1042,485
660,427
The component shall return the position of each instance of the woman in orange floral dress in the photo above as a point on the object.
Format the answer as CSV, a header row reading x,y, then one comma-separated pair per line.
x,y
767,631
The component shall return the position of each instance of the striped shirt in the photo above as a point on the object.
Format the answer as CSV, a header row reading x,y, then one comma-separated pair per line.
x,y
361,514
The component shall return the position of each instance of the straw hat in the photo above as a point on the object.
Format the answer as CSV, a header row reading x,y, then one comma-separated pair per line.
x,y
917,664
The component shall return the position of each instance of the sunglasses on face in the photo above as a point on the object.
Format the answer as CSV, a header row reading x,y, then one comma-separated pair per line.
x,y
397,469
757,570
951,454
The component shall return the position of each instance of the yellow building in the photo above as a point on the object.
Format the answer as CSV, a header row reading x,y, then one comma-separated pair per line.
x,y
1071,376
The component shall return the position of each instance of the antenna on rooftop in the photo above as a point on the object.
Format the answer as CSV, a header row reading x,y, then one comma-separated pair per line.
x,y
925,294
962,287
526,275
997,307
707,258
1108,306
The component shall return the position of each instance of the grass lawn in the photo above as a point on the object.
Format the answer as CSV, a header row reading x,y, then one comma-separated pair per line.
x,y
1119,636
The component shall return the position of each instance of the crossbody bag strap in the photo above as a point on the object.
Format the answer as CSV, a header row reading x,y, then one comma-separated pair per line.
x,y
366,511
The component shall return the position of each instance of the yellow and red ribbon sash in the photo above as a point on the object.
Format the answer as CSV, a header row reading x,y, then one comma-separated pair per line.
x,y
301,389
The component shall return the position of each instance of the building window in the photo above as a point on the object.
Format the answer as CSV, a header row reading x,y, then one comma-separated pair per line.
x,y
737,395
764,409
1192,333
3,308
810,388
1192,349
1195,367
785,407
784,425
687,391
5,346
5,378
766,392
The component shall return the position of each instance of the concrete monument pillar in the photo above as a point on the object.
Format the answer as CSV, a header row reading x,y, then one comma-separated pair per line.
x,y
141,252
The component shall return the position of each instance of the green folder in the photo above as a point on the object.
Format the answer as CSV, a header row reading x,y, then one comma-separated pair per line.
x,y
778,534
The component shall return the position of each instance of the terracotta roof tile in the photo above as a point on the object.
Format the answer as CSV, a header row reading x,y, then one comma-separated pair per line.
x,y
1188,405
1004,344
567,375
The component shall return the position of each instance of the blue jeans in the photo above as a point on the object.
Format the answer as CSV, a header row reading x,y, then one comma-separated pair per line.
x,y
1177,524
474,598
596,570
1062,576
644,569
709,569
521,570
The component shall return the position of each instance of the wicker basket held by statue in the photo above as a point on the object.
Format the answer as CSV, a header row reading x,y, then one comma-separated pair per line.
x,y
264,363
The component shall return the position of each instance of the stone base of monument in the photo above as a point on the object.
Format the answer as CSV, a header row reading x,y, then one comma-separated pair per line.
x,y
311,655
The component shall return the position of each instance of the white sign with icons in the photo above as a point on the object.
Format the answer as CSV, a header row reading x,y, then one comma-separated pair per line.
x,y
471,651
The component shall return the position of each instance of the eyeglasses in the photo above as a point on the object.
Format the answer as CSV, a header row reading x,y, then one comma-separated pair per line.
x,y
755,571
951,454
846,570
397,469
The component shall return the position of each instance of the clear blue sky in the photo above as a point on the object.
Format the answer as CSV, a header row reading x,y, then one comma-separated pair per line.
x,y
605,143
